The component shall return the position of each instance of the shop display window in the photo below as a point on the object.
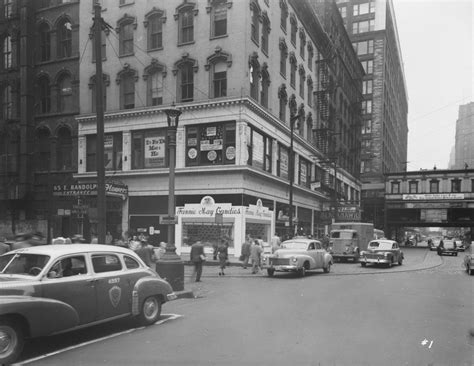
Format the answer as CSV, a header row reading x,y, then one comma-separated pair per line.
x,y
258,231
208,233
282,162
259,150
210,144
149,149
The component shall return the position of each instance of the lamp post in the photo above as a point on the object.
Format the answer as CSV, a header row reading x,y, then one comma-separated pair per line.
x,y
293,119
170,266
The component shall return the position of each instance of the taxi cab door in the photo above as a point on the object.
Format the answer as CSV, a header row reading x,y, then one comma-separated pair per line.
x,y
71,283
319,255
113,291
313,253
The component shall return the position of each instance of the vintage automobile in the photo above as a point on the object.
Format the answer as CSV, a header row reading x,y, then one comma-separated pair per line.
x,y
51,289
298,255
380,251
448,248
469,260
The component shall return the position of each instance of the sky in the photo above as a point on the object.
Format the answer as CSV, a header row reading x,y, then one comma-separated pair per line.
x,y
437,44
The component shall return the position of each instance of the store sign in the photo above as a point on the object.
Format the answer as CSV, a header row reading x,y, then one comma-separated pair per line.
x,y
208,208
258,210
433,196
155,147
89,189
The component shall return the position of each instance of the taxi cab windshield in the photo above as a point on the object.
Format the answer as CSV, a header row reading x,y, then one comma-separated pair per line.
x,y
294,245
22,264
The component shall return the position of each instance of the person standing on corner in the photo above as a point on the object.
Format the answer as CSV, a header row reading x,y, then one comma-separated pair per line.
x,y
146,253
255,253
197,256
275,243
222,253
245,253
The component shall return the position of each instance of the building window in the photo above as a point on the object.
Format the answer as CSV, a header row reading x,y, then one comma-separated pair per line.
x,y
472,185
310,92
265,33
126,38
7,52
155,87
265,86
44,95
7,8
434,186
186,25
456,186
302,80
310,56
65,94
64,34
367,86
219,18
112,152
283,57
259,150
149,149
186,82
343,11
127,90
364,8
44,42
364,47
395,188
64,150
302,43
43,150
368,66
254,78
92,86
255,21
292,70
219,79
366,107
309,127
210,144
366,126
363,26
155,32
366,144
283,15
283,98
304,177
282,161
9,153
7,103
294,28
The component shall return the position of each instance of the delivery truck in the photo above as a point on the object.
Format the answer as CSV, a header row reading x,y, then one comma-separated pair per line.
x,y
348,239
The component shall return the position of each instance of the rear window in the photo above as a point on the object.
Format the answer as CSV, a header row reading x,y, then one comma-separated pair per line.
x,y
343,235
106,263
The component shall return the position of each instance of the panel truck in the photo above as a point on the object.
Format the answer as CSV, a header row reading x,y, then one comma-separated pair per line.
x,y
348,239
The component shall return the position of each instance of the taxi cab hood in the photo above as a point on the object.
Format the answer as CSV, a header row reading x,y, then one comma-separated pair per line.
x,y
281,253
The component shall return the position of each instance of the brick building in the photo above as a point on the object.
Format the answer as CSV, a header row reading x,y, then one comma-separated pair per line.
x,y
372,27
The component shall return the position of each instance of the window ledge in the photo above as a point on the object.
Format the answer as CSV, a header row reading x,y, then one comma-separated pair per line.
x,y
255,41
127,54
126,4
265,52
155,49
186,43
219,37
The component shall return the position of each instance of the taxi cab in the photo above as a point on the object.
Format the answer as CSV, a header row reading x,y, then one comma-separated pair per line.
x,y
51,289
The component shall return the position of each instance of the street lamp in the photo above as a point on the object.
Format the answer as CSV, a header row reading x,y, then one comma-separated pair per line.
x,y
293,119
170,266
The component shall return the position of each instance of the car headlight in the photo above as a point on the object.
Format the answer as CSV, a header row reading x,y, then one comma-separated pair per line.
x,y
294,259
386,254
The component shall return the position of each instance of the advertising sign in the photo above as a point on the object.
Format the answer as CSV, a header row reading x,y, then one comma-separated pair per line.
x,y
155,147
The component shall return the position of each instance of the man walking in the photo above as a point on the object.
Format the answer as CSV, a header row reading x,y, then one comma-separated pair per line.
x,y
246,252
255,253
197,257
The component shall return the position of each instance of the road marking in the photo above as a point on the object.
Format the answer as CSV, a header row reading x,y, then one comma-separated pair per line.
x,y
168,317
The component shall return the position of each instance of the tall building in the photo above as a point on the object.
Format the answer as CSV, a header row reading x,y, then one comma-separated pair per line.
x,y
238,71
39,98
463,146
372,27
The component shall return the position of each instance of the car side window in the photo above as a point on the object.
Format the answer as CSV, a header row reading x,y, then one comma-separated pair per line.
x,y
130,262
106,263
318,245
69,266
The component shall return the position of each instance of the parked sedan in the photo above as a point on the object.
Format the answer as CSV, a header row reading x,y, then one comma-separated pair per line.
x,y
298,255
51,289
386,252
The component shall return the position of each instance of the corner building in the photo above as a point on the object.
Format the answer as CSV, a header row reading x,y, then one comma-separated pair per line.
x,y
237,70
371,25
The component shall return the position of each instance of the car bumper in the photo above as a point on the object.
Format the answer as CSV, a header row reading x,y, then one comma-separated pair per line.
x,y
374,260
344,255
283,267
172,296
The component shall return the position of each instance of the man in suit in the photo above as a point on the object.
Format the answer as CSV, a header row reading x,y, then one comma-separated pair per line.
x,y
197,257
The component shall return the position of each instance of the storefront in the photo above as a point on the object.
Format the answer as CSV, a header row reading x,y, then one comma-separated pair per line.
x,y
209,222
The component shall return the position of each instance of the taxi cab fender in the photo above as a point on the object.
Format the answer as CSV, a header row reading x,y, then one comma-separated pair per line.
x,y
327,258
146,287
40,316
302,258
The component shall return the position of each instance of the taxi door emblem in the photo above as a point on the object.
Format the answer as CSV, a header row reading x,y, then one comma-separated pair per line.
x,y
114,294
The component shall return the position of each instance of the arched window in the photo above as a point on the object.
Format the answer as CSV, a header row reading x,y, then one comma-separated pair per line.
x,y
302,41
283,14
218,18
310,91
7,52
186,82
92,86
44,94
154,75
65,93
292,70
127,90
155,30
265,86
255,21
7,102
64,149
64,34
309,127
125,31
9,152
43,150
44,35
302,73
283,98
265,32
254,72
185,17
217,64
283,56
294,28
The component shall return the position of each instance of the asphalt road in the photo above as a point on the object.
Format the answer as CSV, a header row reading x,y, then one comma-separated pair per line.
x,y
399,316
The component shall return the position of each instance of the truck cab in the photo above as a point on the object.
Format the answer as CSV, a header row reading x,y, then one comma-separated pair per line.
x,y
347,240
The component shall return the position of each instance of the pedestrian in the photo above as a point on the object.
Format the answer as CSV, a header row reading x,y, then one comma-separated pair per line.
x,y
275,242
223,254
245,253
134,244
160,252
255,254
197,256
325,241
146,253
108,238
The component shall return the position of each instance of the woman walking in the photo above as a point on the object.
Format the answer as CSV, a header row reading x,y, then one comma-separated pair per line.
x,y
222,253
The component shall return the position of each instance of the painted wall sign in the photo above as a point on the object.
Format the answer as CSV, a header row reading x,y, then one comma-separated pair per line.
x,y
433,196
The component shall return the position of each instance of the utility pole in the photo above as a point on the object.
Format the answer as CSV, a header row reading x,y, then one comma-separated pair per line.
x,y
101,199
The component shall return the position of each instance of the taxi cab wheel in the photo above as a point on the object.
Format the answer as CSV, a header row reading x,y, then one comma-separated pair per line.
x,y
151,311
11,341
363,264
328,268
270,272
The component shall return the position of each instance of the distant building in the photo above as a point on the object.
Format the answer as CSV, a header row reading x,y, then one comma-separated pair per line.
x,y
372,27
464,141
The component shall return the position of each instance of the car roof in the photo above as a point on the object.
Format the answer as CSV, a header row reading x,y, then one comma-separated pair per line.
x,y
63,249
301,240
383,241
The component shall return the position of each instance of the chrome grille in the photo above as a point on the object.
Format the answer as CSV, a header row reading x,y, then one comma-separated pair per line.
x,y
279,261
372,256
